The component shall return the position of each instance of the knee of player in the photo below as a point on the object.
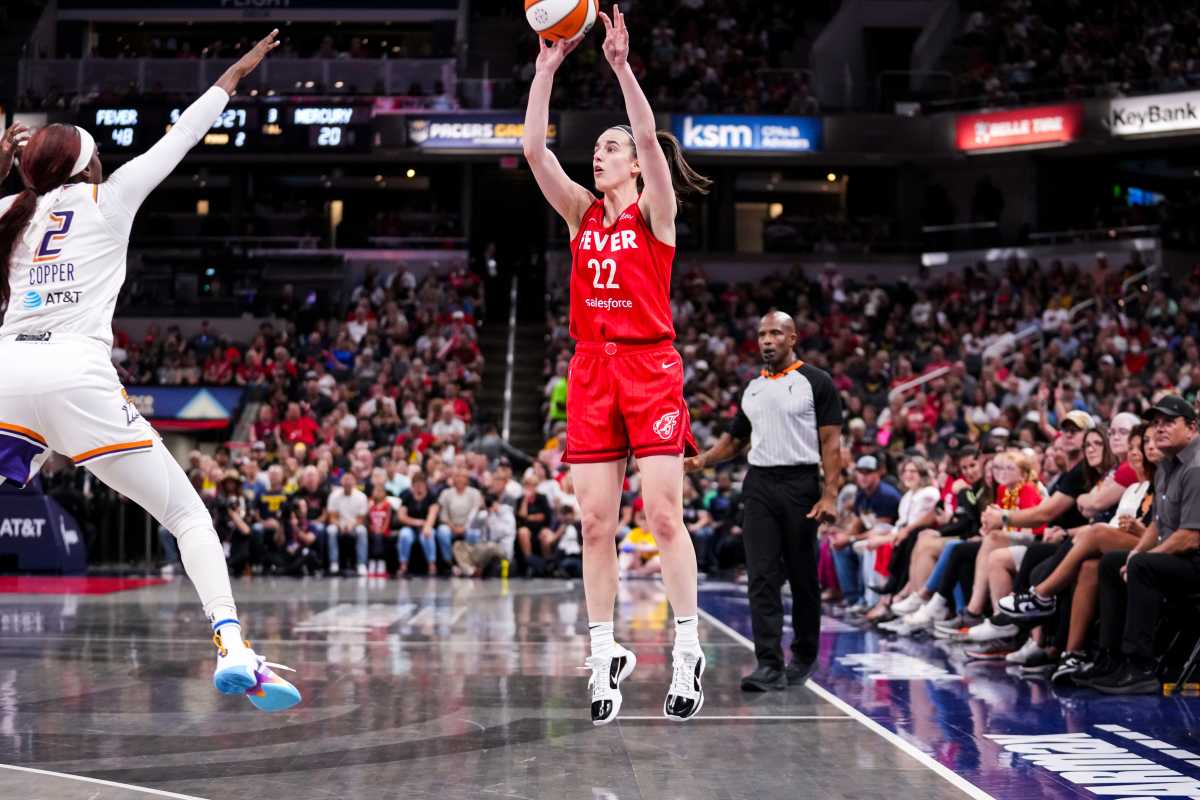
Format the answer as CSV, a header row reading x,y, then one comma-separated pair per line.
x,y
999,558
598,524
666,523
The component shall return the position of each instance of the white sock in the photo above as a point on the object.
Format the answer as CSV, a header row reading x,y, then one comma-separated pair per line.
x,y
936,604
687,635
602,638
1040,596
231,633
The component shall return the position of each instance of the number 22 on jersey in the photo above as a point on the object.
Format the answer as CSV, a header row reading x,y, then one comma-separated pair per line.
x,y
599,268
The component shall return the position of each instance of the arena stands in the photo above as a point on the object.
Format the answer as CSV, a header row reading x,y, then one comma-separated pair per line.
x,y
1023,52
701,57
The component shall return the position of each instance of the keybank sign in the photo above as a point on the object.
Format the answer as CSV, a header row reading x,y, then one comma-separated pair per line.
x,y
1158,113
748,134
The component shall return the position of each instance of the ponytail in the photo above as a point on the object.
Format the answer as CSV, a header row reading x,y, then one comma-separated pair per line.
x,y
684,179
12,225
46,163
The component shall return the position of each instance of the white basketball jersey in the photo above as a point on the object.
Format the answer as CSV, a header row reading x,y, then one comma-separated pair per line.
x,y
68,268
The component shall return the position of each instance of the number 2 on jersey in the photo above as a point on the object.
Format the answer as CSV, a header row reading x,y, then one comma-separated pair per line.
x,y
599,266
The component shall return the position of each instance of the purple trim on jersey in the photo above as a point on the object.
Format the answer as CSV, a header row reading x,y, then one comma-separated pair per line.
x,y
16,455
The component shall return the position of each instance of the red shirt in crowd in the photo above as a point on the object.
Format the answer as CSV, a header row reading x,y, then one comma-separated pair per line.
x,y
379,517
302,429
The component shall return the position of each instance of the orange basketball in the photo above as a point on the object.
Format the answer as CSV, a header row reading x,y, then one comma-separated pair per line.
x,y
561,19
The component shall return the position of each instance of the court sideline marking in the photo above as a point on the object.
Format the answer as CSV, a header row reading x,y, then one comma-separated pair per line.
x,y
900,742
67,776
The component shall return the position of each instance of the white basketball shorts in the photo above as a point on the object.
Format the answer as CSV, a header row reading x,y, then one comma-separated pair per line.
x,y
63,395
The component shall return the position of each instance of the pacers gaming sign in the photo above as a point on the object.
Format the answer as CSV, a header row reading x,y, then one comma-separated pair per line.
x,y
471,131
1158,113
1020,127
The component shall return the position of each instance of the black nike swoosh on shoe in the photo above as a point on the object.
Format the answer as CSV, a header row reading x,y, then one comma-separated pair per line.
x,y
698,672
615,667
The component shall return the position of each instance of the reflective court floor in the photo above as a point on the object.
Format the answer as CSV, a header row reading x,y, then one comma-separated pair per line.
x,y
414,689
462,689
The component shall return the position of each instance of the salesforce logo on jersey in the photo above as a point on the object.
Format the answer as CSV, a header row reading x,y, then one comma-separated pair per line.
x,y
748,134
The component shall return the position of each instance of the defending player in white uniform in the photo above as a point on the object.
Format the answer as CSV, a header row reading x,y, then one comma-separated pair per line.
x,y
63,248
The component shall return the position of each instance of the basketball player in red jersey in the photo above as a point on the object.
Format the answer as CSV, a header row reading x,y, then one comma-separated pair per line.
x,y
625,383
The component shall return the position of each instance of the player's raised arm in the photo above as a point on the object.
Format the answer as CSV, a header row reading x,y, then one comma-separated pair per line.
x,y
134,181
658,197
665,173
566,196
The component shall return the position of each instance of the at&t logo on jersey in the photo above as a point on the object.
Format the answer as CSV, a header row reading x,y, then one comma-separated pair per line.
x,y
665,426
59,298
31,300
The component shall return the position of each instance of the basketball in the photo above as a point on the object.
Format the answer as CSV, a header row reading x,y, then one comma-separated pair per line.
x,y
556,20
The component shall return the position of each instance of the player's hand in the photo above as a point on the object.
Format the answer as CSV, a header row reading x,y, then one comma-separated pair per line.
x,y
10,144
247,63
692,464
552,54
616,38
825,510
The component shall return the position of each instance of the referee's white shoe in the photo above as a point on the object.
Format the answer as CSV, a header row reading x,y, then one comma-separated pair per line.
x,y
686,695
607,673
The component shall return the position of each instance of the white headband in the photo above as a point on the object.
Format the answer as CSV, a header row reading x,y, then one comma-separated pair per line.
x,y
87,149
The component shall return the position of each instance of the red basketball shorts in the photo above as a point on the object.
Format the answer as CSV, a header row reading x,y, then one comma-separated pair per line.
x,y
626,398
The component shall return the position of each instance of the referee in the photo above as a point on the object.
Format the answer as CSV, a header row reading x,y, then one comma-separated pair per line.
x,y
792,417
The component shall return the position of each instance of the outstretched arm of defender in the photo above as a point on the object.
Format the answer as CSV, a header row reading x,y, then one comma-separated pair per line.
x,y
133,182
566,196
658,197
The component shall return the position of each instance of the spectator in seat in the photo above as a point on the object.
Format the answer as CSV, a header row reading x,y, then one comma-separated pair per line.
x,y
298,426
418,515
458,503
639,551
232,516
533,518
448,429
265,425
381,525
1164,564
877,505
346,517
269,529
495,528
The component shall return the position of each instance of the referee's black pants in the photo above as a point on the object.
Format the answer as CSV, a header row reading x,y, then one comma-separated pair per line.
x,y
781,544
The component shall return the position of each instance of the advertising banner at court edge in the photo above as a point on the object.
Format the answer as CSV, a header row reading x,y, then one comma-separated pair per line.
x,y
40,535
471,131
730,133
173,408
1157,113
1019,127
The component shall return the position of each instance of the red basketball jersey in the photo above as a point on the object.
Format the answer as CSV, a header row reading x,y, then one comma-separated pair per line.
x,y
620,280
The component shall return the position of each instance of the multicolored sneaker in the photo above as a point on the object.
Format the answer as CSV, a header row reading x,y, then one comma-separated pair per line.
x,y
271,692
242,671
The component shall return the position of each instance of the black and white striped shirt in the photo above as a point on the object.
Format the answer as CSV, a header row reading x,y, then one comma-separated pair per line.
x,y
781,413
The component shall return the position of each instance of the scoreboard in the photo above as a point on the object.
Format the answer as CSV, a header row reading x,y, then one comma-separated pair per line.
x,y
265,127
